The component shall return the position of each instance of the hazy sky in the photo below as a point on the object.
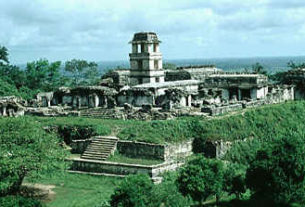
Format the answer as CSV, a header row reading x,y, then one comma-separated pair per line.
x,y
101,29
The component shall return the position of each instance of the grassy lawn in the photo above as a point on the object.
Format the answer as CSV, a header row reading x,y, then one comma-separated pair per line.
x,y
78,189
123,159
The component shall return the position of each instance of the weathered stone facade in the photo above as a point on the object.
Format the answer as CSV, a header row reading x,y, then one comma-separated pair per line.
x,y
186,89
11,106
145,59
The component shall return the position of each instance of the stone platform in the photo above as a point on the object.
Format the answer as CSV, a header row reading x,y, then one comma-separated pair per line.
x,y
107,168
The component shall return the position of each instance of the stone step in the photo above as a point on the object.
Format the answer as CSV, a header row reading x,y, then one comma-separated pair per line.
x,y
103,141
96,153
95,157
100,148
102,145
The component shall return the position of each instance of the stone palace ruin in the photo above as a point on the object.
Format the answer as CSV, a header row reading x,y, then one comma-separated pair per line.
x,y
147,91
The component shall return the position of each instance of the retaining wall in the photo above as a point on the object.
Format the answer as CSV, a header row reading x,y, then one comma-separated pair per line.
x,y
142,149
93,166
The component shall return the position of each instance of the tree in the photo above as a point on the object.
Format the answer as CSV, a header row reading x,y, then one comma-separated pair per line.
x,y
235,179
277,173
134,191
26,149
259,69
92,74
81,69
295,66
201,178
3,55
167,194
43,75
53,76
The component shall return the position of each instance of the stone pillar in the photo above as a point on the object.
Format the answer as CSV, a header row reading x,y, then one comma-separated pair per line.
x,y
90,101
239,98
96,101
79,101
4,113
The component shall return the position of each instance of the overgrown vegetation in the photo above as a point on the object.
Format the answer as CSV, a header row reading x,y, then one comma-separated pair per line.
x,y
26,150
42,75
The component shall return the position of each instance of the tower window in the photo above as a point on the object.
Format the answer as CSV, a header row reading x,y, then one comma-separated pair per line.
x,y
155,47
142,47
156,64
157,79
140,64
138,48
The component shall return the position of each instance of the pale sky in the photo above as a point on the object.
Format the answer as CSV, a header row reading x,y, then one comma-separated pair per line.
x,y
100,30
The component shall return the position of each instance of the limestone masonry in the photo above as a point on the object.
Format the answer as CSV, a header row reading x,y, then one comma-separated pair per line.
x,y
146,91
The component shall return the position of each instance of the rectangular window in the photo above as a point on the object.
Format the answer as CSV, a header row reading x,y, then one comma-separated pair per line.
x,y
156,64
140,81
142,47
140,64
157,79
155,47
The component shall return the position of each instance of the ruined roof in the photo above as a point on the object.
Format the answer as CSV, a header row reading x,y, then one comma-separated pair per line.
x,y
139,91
94,89
169,84
237,75
196,67
11,100
145,37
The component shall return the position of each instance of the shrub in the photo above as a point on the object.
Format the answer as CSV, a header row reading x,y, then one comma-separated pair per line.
x,y
201,178
278,170
25,148
235,179
134,191
167,194
19,201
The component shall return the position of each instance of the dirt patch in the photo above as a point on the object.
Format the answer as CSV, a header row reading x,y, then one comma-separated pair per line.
x,y
42,192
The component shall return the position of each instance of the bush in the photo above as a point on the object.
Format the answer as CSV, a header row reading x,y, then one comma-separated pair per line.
x,y
167,194
19,201
278,170
235,179
77,132
134,191
201,178
25,148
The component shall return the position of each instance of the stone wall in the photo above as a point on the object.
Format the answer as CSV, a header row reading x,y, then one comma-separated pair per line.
x,y
119,169
141,150
218,110
155,151
135,100
178,151
216,149
79,146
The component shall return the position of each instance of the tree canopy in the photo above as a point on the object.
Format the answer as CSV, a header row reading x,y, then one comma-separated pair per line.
x,y
277,173
201,178
25,148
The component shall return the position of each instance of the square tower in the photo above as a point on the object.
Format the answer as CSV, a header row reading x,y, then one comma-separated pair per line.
x,y
145,59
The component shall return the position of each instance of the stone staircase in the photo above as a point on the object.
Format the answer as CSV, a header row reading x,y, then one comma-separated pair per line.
x,y
101,113
100,148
